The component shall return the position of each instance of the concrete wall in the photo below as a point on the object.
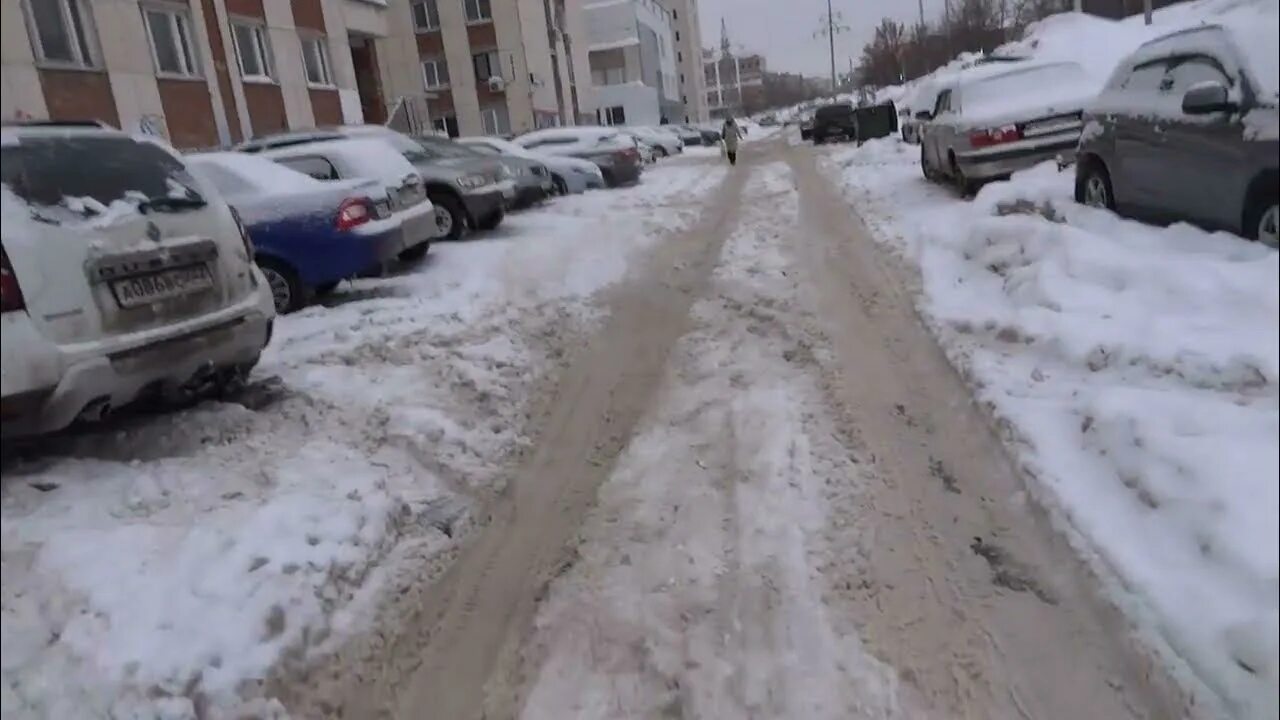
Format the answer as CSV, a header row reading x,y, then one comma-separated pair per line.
x,y
639,102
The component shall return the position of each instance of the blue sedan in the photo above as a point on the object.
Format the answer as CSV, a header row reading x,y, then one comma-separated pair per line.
x,y
308,235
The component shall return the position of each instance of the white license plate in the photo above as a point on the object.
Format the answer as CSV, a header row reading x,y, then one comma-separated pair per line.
x,y
146,289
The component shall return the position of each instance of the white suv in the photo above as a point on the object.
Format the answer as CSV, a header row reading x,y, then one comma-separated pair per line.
x,y
121,276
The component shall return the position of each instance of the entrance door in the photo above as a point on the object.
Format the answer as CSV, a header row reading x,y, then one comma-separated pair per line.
x,y
364,58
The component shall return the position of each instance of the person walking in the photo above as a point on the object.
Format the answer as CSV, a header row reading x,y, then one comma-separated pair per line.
x,y
731,134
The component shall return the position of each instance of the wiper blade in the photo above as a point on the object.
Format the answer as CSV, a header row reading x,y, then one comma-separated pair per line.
x,y
165,203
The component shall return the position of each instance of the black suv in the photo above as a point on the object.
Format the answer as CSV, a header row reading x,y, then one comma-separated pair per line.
x,y
837,120
1185,131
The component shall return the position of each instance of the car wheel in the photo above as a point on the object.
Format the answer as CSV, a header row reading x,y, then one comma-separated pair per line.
x,y
562,188
287,291
1093,186
491,222
451,218
929,173
659,152
1263,223
417,252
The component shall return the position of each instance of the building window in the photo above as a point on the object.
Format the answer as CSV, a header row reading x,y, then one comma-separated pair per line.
x,y
477,10
435,74
679,56
677,36
487,65
426,16
615,115
172,48
447,124
252,51
494,121
62,32
315,59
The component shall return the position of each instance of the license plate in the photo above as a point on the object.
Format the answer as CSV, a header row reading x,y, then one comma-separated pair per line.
x,y
146,289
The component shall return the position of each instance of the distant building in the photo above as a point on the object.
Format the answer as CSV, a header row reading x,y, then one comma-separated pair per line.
x,y
632,54
735,82
687,34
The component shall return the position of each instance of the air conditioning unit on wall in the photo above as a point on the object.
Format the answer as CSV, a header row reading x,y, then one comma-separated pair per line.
x,y
496,83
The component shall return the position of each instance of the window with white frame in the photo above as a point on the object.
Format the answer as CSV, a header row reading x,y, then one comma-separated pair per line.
x,y
494,120
173,46
616,115
477,10
62,32
487,65
315,60
426,16
435,74
252,50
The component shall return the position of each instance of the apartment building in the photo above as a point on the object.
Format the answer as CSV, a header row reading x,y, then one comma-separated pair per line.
x,y
497,67
686,30
734,83
632,56
201,73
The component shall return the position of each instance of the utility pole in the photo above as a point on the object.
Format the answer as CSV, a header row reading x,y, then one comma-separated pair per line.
x,y
831,38
830,28
1146,11
921,13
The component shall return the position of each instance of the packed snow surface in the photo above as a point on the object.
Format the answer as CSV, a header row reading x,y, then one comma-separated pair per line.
x,y
1136,371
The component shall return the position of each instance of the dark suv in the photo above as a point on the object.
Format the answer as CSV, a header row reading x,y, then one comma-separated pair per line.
x,y
1186,130
836,120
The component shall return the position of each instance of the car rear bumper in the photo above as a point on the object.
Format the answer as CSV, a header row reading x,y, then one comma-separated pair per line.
x,y
1003,161
47,386
621,174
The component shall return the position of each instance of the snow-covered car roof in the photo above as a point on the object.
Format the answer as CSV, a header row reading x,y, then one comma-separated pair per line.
x,y
1256,48
368,158
573,133
259,174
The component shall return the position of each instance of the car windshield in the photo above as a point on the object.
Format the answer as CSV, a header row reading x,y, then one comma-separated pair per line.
x,y
51,172
445,148
834,112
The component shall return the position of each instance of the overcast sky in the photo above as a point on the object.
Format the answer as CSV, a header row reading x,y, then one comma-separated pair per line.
x,y
782,30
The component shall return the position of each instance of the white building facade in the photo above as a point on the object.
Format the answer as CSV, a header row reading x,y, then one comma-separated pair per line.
x,y
687,34
632,54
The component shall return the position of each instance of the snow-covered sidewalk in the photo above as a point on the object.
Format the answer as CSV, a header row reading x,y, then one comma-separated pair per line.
x,y
1135,372
168,565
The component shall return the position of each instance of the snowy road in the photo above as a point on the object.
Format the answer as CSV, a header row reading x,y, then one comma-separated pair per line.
x,y
683,450
798,512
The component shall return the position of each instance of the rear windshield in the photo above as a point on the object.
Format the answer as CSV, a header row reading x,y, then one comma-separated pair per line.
x,y
75,171
834,111
1032,86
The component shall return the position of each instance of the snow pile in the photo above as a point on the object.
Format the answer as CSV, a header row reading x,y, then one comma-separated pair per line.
x,y
175,566
1136,371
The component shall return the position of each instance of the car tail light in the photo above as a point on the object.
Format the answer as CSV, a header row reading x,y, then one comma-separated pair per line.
x,y
353,212
10,294
244,234
995,136
628,155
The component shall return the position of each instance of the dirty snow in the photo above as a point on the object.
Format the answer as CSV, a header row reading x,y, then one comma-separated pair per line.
x,y
1135,371
165,566
697,589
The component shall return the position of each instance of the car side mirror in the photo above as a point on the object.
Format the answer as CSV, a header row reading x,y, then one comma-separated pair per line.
x,y
1207,97
924,115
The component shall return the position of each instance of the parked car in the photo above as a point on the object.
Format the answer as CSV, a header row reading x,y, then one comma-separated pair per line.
x,y
648,153
994,120
465,193
119,278
921,98
568,174
876,121
806,126
665,144
711,134
617,156
833,121
530,180
310,235
687,135
1186,129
